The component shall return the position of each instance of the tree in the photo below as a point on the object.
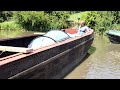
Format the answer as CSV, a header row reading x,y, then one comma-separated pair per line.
x,y
101,21
41,20
5,15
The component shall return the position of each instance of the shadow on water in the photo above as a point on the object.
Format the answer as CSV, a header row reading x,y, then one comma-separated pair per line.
x,y
90,52
114,42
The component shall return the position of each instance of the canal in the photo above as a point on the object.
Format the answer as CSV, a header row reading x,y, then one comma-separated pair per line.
x,y
101,62
13,33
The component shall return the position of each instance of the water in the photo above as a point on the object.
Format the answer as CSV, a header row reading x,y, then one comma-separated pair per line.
x,y
102,62
12,34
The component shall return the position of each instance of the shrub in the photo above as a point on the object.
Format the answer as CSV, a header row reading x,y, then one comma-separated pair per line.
x,y
101,21
89,17
10,25
40,20
5,15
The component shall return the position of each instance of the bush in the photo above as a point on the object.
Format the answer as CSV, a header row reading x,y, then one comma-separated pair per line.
x,y
40,20
5,15
116,26
89,17
10,25
101,21
32,20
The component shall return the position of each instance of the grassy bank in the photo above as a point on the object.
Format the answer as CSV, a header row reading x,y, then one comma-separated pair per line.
x,y
10,25
74,17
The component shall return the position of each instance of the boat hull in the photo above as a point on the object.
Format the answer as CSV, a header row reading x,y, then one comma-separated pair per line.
x,y
52,62
113,38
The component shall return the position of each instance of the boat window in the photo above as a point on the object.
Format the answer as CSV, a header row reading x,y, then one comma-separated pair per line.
x,y
57,35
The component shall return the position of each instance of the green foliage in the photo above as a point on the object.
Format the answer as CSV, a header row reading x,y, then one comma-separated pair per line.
x,y
89,17
116,16
100,21
10,25
73,12
32,20
5,15
103,21
58,19
1,19
74,17
116,26
41,20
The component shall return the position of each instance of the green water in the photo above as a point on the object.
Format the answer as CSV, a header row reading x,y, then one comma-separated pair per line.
x,y
102,62
12,34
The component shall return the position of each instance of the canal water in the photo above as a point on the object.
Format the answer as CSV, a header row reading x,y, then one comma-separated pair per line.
x,y
12,34
101,62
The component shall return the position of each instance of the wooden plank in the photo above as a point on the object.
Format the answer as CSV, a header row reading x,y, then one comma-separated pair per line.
x,y
15,49
39,33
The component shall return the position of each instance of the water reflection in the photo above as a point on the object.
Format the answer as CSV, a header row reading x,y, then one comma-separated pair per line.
x,y
91,50
13,33
102,63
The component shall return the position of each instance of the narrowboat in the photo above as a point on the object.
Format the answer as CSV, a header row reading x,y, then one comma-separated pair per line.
x,y
20,59
114,36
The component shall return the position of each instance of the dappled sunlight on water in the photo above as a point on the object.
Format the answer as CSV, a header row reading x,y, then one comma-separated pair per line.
x,y
103,63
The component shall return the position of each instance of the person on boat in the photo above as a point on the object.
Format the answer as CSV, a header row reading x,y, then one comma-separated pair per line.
x,y
82,29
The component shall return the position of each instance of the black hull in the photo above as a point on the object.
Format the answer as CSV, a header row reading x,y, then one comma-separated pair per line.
x,y
113,38
52,62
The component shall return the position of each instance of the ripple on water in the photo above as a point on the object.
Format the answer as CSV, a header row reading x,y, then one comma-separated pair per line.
x,y
104,63
107,67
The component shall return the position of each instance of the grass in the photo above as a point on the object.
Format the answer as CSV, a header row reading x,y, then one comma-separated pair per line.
x,y
116,26
10,25
74,17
